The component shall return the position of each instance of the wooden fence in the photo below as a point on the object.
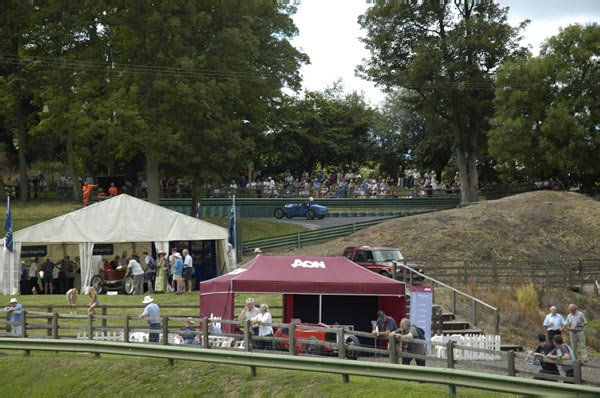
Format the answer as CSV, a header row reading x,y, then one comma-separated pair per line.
x,y
571,273
339,341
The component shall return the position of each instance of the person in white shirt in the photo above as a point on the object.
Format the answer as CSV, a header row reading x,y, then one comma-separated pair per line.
x,y
188,269
263,317
138,274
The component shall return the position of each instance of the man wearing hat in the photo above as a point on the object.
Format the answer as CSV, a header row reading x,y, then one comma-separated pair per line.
x,y
16,316
384,325
138,274
257,250
152,311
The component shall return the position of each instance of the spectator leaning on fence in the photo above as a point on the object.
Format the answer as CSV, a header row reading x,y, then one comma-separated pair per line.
x,y
152,311
409,331
562,352
575,324
384,325
554,323
544,348
16,316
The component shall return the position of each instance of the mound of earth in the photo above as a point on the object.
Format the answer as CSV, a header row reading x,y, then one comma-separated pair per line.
x,y
533,225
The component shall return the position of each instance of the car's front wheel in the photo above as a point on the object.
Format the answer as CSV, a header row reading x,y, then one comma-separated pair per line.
x,y
278,213
310,214
128,285
96,283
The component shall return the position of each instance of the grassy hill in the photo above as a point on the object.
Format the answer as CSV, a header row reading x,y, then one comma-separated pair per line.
x,y
533,225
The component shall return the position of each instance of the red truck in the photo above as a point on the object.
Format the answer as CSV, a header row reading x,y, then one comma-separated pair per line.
x,y
379,260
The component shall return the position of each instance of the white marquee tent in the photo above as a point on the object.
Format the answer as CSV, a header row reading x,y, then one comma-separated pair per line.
x,y
121,220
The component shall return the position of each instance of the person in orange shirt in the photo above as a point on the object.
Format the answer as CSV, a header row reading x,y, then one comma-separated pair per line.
x,y
87,190
113,191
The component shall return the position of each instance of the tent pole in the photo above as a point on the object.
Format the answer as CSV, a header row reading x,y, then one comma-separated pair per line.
x,y
320,306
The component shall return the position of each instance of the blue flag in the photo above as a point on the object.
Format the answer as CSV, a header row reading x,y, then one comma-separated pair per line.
x,y
232,227
8,240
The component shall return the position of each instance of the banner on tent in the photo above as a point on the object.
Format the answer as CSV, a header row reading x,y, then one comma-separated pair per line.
x,y
103,249
34,251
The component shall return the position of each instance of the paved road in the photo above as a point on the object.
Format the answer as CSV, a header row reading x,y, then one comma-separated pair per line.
x,y
327,222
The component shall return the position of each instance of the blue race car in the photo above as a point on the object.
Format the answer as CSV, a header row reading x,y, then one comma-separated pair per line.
x,y
310,210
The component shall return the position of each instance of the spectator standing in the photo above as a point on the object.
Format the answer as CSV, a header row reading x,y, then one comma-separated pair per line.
x,y
554,322
34,268
152,311
178,274
249,312
150,266
384,324
123,260
264,316
16,316
67,267
72,300
162,273
575,324
172,259
409,331
112,190
48,269
56,278
188,270
87,192
544,348
138,274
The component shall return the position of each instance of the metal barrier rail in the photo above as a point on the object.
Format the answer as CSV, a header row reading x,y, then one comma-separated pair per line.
x,y
451,377
301,238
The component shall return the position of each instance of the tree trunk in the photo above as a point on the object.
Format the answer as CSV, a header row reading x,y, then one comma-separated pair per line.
x,y
152,177
467,168
77,192
21,134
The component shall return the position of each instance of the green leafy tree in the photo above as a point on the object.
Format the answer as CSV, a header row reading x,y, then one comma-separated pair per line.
x,y
322,128
447,54
547,118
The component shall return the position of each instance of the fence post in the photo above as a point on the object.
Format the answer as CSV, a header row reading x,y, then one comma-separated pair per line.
x,y
248,342
394,270
90,327
393,348
342,352
299,244
24,324
126,329
49,322
450,365
580,272
55,325
495,273
453,302
465,272
497,321
205,333
104,314
292,338
577,371
474,306
510,359
165,331
353,227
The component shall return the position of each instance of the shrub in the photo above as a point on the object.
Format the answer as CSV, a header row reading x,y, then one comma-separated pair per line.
x,y
527,296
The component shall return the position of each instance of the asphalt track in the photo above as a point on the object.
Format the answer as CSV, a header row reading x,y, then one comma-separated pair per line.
x,y
326,222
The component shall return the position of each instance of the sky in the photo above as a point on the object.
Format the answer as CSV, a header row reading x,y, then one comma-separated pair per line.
x,y
329,35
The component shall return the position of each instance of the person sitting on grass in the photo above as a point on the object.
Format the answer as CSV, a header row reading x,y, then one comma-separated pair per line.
x,y
72,300
94,300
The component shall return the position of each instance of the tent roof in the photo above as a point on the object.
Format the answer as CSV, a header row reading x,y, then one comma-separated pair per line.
x,y
303,275
120,219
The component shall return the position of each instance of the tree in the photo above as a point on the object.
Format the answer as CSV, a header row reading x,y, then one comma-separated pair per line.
x,y
322,128
447,54
405,133
547,119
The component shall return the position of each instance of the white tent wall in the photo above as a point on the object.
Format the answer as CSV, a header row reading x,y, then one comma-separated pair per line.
x,y
85,255
10,274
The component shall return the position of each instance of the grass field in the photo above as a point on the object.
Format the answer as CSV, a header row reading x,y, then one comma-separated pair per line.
x,y
26,214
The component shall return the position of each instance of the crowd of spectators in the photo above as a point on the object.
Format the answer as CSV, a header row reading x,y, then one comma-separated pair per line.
x,y
338,184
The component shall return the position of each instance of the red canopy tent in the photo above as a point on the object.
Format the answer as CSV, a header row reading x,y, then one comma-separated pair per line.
x,y
315,289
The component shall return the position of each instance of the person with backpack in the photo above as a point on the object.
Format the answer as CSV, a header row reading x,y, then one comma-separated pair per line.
x,y
409,331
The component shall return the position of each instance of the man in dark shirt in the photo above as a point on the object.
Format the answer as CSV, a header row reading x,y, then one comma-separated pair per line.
x,y
48,268
543,349
384,325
